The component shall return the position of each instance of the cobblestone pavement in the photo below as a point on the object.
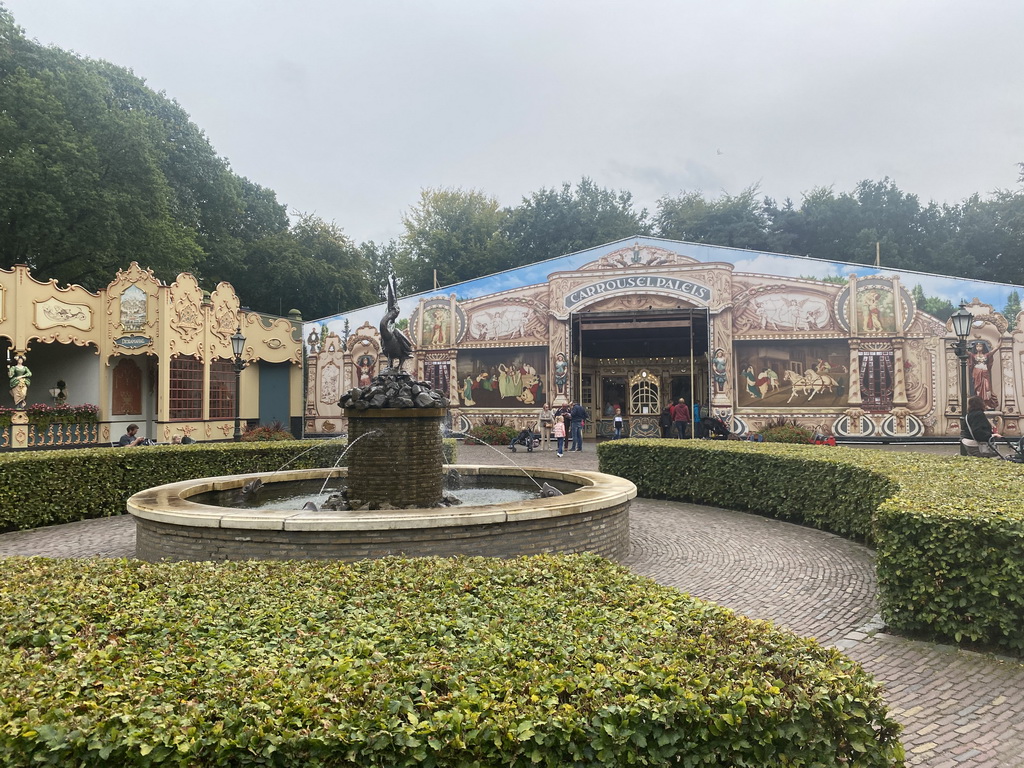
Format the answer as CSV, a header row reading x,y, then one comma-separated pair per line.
x,y
959,709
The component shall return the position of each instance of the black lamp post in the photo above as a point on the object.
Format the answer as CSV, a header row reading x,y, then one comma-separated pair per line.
x,y
237,347
962,321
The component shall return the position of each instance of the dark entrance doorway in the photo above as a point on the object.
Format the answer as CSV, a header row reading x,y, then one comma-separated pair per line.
x,y
668,346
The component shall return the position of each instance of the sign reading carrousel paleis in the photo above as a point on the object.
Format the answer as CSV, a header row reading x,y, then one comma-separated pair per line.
x,y
646,283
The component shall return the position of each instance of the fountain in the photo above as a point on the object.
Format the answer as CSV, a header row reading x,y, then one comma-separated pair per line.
x,y
393,495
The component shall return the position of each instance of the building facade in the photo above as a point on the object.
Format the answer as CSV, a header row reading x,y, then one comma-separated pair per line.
x,y
844,349
143,352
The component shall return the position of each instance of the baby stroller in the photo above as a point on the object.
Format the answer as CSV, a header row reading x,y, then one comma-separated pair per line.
x,y
525,437
1006,448
714,427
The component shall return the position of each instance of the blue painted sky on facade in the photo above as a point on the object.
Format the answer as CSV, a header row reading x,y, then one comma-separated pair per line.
x,y
953,289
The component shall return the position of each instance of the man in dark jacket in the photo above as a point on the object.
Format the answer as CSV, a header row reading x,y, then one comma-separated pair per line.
x,y
665,422
578,415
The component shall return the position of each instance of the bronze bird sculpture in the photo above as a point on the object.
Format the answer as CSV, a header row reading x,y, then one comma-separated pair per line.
x,y
395,344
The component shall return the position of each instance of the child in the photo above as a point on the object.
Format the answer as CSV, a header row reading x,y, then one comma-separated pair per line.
x,y
559,432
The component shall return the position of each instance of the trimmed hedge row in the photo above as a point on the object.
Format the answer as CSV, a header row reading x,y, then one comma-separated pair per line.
x,y
50,487
949,531
547,661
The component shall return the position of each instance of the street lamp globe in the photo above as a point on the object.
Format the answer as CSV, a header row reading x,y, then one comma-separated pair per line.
x,y
962,320
238,343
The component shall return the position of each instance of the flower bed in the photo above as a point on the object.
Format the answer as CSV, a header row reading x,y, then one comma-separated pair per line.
x,y
949,531
546,661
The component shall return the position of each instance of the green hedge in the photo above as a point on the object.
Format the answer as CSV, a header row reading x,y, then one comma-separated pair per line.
x,y
949,531
49,487
548,661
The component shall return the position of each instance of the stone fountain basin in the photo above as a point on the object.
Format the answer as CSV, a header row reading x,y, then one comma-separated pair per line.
x,y
593,518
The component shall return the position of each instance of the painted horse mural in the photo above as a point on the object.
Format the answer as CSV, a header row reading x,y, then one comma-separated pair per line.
x,y
810,383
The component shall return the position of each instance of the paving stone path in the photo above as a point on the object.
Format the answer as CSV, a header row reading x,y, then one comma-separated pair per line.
x,y
959,709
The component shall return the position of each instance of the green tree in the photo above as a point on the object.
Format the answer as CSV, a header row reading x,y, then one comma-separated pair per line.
x,y
458,233
737,221
100,170
933,305
1012,308
551,223
313,267
379,261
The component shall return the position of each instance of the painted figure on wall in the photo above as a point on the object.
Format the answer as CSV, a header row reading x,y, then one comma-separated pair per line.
x,y
330,381
756,385
720,369
981,373
365,370
561,373
877,313
790,311
793,376
502,378
439,323
19,377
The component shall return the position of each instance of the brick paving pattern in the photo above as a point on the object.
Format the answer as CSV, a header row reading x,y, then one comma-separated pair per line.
x,y
959,709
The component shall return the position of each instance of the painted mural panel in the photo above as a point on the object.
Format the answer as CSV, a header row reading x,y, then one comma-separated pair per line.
x,y
782,308
797,374
502,378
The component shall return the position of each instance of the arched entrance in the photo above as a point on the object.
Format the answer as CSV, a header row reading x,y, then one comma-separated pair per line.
x,y
639,361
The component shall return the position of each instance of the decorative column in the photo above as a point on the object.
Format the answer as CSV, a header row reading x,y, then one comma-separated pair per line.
x,y
899,389
854,398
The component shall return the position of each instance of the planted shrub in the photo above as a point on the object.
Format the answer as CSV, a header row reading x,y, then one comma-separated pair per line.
x,y
46,488
493,434
267,433
949,531
548,661
789,433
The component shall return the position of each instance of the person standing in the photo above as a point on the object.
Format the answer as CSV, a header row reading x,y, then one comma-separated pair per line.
x,y
698,429
559,431
578,415
680,418
547,421
617,423
665,422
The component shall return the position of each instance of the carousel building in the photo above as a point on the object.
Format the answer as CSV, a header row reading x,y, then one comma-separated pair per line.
x,y
845,349
86,365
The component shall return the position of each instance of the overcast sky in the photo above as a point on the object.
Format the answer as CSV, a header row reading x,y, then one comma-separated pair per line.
x,y
348,108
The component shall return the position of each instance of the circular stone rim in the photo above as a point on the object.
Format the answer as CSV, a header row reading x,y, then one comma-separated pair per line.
x,y
171,504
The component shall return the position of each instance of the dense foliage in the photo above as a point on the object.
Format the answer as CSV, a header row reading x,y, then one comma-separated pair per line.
x,y
493,434
265,433
100,170
548,661
949,531
51,487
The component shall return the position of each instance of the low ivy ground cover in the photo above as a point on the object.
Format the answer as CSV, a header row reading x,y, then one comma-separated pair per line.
x,y
546,661
948,531
49,487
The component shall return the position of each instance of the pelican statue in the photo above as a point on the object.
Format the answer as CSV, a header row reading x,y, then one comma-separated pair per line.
x,y
395,344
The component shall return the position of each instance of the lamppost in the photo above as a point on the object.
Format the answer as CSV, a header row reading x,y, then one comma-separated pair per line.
x,y
237,347
962,321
